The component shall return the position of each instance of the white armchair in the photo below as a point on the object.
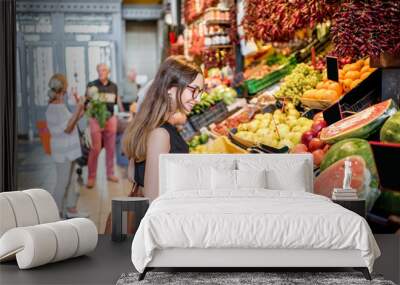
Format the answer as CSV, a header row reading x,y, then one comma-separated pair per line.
x,y
31,231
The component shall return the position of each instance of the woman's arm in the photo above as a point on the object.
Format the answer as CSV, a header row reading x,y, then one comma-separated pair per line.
x,y
76,115
158,143
131,171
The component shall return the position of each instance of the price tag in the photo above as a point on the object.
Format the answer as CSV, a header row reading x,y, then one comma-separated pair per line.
x,y
332,68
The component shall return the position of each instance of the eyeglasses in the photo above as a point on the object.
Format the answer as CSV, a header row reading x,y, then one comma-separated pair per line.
x,y
196,91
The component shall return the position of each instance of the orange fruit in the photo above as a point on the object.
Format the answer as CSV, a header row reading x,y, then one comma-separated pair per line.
x,y
355,83
353,75
346,67
365,75
366,61
341,74
364,69
359,64
354,67
347,83
310,94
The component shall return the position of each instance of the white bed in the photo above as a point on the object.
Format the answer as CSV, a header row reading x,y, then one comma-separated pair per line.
x,y
248,227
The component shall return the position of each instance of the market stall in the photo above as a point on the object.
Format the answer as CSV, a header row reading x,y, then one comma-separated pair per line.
x,y
312,80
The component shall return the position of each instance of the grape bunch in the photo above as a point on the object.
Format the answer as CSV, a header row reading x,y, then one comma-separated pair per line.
x,y
302,78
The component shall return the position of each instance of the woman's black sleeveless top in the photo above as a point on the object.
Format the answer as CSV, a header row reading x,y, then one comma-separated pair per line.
x,y
177,143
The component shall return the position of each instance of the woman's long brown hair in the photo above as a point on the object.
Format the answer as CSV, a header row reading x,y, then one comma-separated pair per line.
x,y
175,71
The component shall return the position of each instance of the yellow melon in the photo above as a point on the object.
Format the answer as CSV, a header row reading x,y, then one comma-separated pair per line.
x,y
330,95
310,94
320,85
337,87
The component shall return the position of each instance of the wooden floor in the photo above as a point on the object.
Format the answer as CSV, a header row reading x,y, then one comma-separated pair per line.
x,y
36,170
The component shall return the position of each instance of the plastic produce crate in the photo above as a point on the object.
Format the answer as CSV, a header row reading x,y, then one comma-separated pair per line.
x,y
364,95
256,85
187,132
215,113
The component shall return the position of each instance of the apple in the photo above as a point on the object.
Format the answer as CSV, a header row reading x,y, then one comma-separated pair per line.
x,y
315,144
307,137
317,126
319,116
318,156
299,148
326,148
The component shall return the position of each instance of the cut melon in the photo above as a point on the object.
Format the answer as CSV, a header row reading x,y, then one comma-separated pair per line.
x,y
359,125
332,177
351,147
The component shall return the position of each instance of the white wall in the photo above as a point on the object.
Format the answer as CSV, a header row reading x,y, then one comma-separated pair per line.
x,y
141,47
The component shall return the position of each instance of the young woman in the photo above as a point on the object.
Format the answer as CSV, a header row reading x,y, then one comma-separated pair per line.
x,y
65,145
176,88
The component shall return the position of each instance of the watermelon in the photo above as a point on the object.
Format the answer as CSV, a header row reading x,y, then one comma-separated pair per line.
x,y
390,131
359,125
332,177
388,203
350,147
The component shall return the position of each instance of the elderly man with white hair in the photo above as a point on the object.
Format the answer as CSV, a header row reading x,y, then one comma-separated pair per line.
x,y
129,89
107,135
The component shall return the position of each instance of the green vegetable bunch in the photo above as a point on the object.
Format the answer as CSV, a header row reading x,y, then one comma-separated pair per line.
x,y
276,58
219,93
97,108
198,140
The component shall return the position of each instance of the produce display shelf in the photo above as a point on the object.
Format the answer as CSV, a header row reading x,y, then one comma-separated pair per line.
x,y
187,132
215,113
365,94
256,85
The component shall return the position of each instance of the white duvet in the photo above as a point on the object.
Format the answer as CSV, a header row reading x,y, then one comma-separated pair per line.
x,y
253,218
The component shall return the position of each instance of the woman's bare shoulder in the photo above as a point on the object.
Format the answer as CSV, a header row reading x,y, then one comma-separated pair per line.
x,y
159,139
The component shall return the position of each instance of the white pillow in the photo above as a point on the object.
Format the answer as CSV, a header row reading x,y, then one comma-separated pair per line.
x,y
223,179
294,180
181,177
281,174
251,178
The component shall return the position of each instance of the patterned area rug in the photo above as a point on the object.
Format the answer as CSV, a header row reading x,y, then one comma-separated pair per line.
x,y
270,278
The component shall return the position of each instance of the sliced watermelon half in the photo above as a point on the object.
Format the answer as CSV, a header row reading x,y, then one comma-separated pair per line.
x,y
332,177
359,125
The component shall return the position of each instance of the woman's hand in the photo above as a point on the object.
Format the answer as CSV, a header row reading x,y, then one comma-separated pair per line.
x,y
80,106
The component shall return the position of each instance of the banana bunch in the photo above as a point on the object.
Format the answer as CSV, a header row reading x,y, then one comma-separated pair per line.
x,y
206,101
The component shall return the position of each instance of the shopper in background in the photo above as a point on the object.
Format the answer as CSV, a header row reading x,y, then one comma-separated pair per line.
x,y
108,134
65,145
129,89
142,93
177,87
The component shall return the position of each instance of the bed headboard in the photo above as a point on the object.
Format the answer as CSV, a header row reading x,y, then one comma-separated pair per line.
x,y
212,159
